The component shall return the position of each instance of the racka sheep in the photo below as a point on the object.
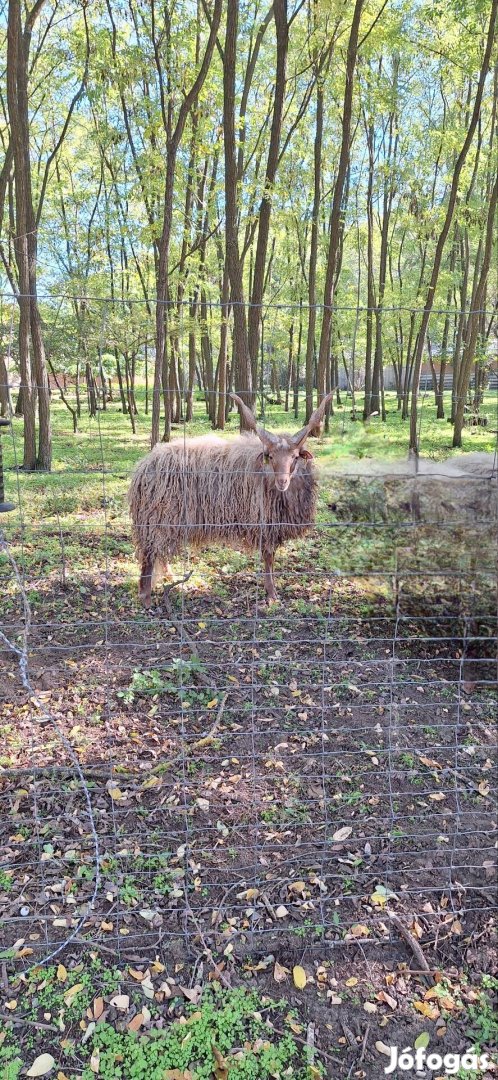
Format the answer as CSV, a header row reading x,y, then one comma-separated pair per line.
x,y
253,492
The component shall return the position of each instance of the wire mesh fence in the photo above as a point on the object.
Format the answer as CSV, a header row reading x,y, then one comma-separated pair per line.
x,y
217,778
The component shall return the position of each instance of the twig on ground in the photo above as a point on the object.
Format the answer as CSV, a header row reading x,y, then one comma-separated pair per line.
x,y
205,740
365,1041
207,950
410,940
349,1035
24,1020
310,1043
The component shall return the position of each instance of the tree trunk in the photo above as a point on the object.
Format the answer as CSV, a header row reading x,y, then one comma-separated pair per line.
x,y
223,352
5,396
315,221
291,367
254,319
32,363
478,294
337,207
429,302
242,369
367,403
173,136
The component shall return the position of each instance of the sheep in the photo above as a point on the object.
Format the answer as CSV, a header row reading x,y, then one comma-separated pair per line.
x,y
253,492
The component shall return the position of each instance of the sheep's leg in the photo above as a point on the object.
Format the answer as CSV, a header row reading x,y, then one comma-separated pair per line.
x,y
271,594
145,583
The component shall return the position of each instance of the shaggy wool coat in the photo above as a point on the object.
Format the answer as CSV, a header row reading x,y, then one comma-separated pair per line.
x,y
206,490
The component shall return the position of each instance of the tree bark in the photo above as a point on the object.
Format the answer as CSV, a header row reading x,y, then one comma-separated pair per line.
x,y
429,301
254,319
173,135
473,322
242,370
34,375
315,216
337,207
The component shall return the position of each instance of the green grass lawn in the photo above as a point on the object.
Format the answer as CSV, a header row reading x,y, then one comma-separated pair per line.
x,y
84,497
106,443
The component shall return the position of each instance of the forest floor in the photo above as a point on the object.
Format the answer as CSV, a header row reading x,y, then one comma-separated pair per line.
x,y
293,806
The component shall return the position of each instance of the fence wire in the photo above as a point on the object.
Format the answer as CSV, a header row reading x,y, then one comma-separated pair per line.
x,y
218,778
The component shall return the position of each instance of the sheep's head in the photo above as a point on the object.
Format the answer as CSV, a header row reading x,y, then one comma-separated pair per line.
x,y
282,451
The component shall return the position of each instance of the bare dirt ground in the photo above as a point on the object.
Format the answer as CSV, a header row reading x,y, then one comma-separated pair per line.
x,y
312,784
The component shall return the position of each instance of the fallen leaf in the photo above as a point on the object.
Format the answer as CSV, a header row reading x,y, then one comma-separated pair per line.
x,y
293,1024
89,1030
147,987
221,1069
70,994
152,782
483,788
61,973
211,704
428,1010
41,1065
378,898
192,994
422,1040
138,975
387,999
382,1048
281,912
115,793
342,834
299,976
98,1007
359,930
121,1002
297,887
352,981
370,1007
437,796
136,1023
280,973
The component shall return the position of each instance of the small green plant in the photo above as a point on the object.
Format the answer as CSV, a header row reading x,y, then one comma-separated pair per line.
x,y
5,881
483,1016
152,682
128,892
226,1027
10,1062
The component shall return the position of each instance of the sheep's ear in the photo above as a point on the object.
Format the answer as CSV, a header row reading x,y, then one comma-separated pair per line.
x,y
266,436
307,455
313,421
